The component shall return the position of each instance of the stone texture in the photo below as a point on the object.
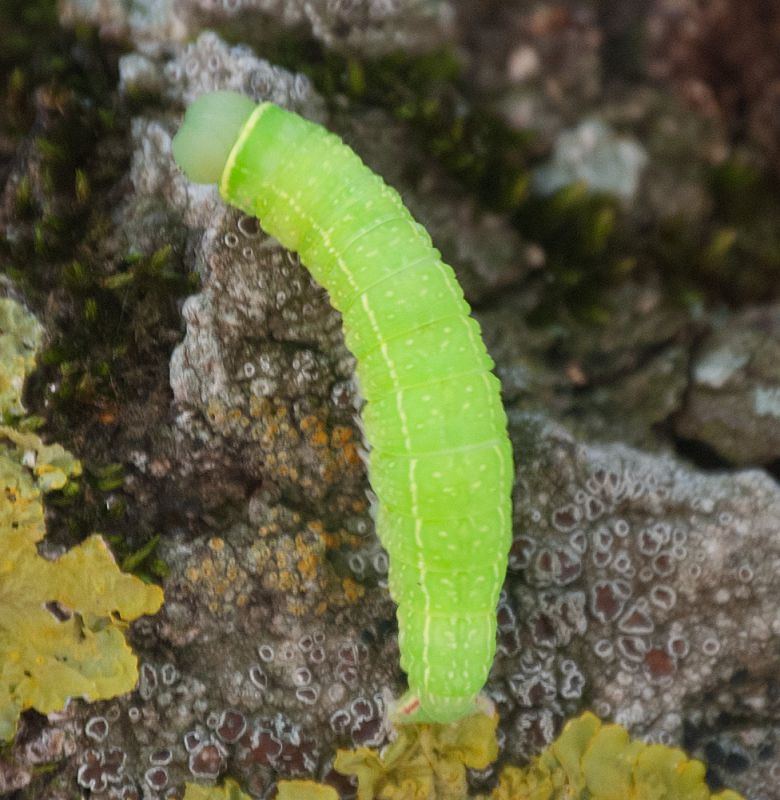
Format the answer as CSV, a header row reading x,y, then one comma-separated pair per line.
x,y
733,401
371,26
645,586
595,155
639,584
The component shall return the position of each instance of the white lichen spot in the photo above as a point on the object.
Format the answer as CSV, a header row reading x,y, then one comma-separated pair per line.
x,y
717,367
766,401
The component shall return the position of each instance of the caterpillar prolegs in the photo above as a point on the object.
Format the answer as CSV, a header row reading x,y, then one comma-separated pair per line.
x,y
440,461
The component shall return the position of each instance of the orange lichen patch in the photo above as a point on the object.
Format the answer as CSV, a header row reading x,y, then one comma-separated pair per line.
x,y
257,406
341,435
215,575
332,540
215,411
297,607
313,428
296,449
307,565
305,452
352,591
267,422
359,505
342,441
352,455
290,558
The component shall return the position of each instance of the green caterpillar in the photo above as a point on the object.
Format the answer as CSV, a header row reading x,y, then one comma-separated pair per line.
x,y
441,461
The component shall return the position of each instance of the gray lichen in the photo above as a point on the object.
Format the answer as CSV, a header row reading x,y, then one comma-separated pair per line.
x,y
595,155
642,585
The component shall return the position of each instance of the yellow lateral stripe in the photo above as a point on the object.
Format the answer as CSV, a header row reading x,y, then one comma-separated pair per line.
x,y
246,132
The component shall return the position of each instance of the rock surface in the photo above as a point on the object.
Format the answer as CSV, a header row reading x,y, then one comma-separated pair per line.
x,y
372,27
733,401
639,585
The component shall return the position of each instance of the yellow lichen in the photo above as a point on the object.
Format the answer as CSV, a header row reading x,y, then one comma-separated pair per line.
x,y
594,761
305,790
60,621
589,761
424,762
50,464
20,337
45,659
229,790
286,790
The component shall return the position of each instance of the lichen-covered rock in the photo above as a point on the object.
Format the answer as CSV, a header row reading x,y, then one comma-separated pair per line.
x,y
277,644
618,381
369,26
638,583
733,402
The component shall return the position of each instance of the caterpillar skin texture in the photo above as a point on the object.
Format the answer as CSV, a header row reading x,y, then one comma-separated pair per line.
x,y
441,461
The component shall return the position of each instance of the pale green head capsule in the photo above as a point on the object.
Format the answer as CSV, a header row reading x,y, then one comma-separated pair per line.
x,y
210,129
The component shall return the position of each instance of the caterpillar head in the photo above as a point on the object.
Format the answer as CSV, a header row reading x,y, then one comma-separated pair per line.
x,y
210,129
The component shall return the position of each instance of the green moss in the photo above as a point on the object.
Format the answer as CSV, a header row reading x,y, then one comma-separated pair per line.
x,y
589,244
733,256
106,313
428,92
577,229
